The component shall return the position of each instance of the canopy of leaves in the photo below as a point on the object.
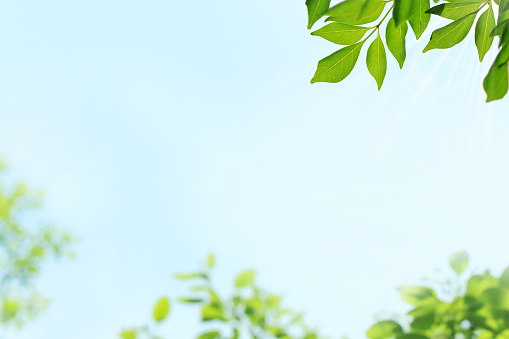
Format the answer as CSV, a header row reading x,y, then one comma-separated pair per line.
x,y
356,21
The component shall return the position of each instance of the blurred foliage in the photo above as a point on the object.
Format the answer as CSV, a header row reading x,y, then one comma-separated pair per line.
x,y
467,307
248,312
24,247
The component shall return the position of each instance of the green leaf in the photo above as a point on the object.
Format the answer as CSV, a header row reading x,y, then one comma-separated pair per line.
x,y
347,12
212,312
496,82
459,261
337,66
496,297
245,278
210,335
477,284
503,11
341,34
161,309
190,276
395,37
455,10
403,10
384,329
411,336
485,25
504,279
499,29
210,260
452,34
316,9
128,335
376,61
424,322
418,295
419,19
190,300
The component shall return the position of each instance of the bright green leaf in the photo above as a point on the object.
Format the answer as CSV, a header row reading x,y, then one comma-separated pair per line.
x,y
347,11
419,19
245,278
337,66
316,9
161,309
485,25
496,82
190,276
128,335
384,330
395,37
452,34
376,61
455,10
210,260
341,34
210,335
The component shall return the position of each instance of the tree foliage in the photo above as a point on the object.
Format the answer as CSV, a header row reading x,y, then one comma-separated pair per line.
x,y
24,247
351,23
248,312
475,307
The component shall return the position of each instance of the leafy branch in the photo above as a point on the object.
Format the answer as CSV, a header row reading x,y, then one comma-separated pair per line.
x,y
347,22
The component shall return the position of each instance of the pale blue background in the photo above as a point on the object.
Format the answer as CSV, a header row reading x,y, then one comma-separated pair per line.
x,y
165,130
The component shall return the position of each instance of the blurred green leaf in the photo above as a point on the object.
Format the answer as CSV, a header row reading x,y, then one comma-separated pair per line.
x,y
161,309
210,261
418,295
459,261
384,330
245,278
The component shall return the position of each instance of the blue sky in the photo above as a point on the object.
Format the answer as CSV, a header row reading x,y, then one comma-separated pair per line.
x,y
162,131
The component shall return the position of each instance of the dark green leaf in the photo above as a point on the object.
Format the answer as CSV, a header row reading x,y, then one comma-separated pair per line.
x,y
496,297
403,10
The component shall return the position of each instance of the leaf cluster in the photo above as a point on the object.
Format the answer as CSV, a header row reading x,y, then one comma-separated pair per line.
x,y
24,247
248,312
476,308
352,23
